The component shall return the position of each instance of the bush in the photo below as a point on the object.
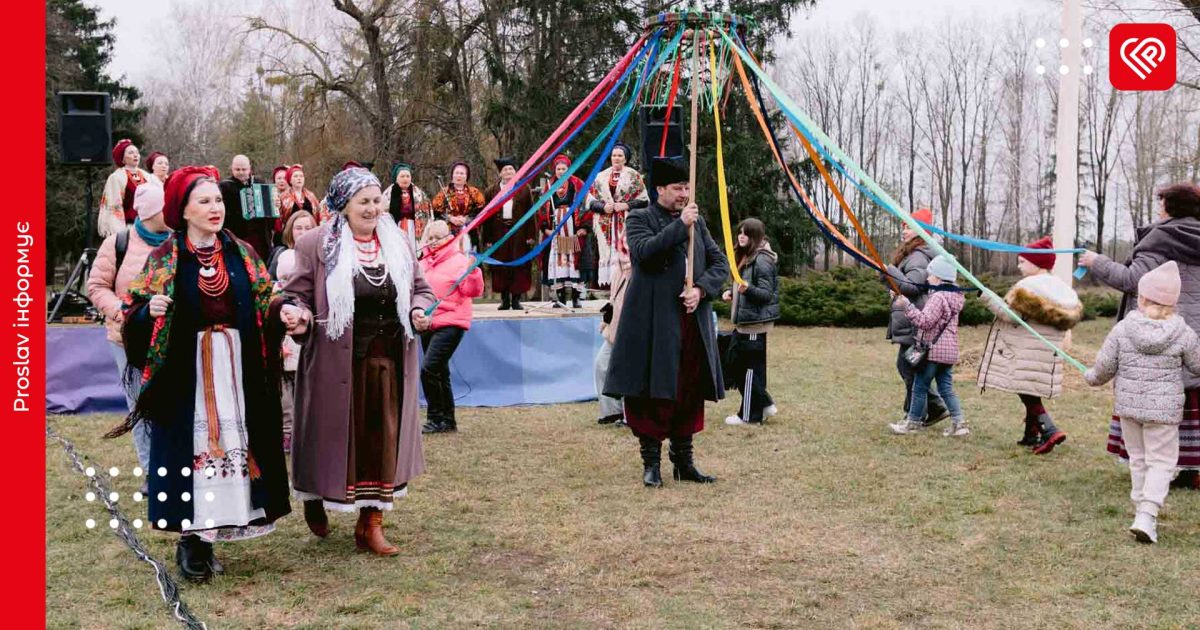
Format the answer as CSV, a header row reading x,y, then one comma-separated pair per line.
x,y
850,297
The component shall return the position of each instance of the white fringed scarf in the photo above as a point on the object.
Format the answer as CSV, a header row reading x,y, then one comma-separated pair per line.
x,y
342,264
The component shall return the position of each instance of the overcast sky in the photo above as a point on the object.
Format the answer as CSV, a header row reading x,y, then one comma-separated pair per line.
x,y
139,22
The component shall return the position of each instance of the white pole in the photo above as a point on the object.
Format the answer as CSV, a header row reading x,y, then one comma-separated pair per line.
x,y
1067,141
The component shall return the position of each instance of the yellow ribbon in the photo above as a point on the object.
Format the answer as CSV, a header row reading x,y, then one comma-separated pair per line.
x,y
722,193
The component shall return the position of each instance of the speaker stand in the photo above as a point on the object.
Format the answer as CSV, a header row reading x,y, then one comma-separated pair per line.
x,y
83,266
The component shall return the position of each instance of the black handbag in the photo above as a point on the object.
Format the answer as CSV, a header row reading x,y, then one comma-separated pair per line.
x,y
918,353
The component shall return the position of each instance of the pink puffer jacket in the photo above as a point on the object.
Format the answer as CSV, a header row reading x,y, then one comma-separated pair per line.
x,y
107,285
442,268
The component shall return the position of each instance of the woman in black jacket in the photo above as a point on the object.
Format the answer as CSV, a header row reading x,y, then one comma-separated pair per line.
x,y
755,307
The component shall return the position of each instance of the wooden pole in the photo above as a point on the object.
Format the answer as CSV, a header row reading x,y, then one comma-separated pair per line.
x,y
692,156
1066,166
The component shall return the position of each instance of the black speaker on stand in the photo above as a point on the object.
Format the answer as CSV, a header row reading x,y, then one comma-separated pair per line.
x,y
84,139
653,121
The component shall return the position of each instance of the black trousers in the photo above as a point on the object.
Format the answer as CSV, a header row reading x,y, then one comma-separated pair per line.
x,y
751,375
439,346
936,407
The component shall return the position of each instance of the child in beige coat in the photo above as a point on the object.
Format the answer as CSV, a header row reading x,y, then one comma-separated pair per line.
x,y
1145,352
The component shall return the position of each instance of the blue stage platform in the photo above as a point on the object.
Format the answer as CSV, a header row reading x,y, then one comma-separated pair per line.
x,y
504,360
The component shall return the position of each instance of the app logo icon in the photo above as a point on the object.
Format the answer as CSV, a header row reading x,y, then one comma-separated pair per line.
x,y
1141,57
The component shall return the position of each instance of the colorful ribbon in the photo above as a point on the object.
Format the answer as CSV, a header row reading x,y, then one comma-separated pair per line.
x,y
722,193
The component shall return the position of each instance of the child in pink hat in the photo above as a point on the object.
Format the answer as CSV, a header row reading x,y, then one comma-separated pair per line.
x,y
1145,352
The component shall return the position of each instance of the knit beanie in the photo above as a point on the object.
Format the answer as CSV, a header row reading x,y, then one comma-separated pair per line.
x,y
148,200
1042,261
942,268
924,215
1162,285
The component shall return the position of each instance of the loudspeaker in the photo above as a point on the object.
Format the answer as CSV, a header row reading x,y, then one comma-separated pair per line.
x,y
84,128
653,121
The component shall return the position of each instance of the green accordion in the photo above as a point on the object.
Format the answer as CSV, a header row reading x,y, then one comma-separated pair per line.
x,y
259,201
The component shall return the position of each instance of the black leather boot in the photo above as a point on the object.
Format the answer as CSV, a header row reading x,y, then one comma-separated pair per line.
x,y
505,304
193,557
685,467
561,294
516,302
651,462
575,299
1033,435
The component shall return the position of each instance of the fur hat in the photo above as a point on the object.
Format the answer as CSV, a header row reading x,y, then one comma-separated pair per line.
x,y
667,171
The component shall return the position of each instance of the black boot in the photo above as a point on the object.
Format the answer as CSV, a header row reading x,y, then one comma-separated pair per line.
x,y
1187,480
193,556
561,294
1033,435
505,304
516,302
651,460
685,467
575,299
1051,435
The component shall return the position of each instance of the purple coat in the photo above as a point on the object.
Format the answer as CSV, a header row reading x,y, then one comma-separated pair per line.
x,y
321,432
941,310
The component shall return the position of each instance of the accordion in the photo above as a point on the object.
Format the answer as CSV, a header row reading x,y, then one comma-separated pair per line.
x,y
259,201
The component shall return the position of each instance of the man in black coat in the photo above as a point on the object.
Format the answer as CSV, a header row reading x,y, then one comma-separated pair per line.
x,y
259,233
664,361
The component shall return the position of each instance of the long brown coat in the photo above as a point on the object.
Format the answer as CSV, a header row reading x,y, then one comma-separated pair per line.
x,y
321,433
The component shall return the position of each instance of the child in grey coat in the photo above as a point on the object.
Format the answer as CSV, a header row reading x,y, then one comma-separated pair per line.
x,y
1146,352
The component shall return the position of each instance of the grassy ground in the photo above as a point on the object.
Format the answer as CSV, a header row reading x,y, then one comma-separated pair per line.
x,y
535,517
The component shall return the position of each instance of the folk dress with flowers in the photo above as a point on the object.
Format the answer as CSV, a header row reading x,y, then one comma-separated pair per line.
x,y
239,375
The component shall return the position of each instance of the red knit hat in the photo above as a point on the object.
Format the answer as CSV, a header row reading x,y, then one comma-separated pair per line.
x,y
1042,261
177,188
924,215
292,170
118,153
154,156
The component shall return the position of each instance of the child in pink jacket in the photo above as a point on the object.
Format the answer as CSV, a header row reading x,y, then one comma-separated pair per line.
x,y
442,267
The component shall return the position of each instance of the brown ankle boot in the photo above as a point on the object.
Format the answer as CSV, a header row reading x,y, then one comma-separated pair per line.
x,y
368,533
314,515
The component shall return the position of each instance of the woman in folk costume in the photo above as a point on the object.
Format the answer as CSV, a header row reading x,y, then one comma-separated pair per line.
x,y
1017,362
617,190
159,165
116,202
459,203
407,203
512,283
297,197
359,299
560,266
198,321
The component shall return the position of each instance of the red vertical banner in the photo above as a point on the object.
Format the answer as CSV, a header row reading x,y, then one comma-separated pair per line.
x,y
23,299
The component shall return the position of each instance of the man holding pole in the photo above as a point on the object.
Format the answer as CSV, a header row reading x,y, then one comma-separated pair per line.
x,y
664,361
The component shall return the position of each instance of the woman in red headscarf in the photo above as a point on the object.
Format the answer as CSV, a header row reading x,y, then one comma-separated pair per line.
x,y
116,202
560,263
159,165
198,323
297,197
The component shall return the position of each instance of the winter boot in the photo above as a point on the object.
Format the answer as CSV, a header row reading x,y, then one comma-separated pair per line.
x,y
685,467
561,294
505,304
314,515
651,460
575,299
516,302
192,555
1033,435
368,533
1051,435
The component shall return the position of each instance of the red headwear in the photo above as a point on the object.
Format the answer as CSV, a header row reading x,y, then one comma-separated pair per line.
x,y
278,169
562,158
1043,261
154,156
924,215
178,187
351,164
118,153
292,170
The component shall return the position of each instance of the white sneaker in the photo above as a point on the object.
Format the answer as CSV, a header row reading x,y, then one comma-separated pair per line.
x,y
1145,528
957,429
734,420
906,426
771,411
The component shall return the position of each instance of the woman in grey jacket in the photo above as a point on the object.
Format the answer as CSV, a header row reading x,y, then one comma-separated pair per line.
x,y
1175,236
909,271
754,311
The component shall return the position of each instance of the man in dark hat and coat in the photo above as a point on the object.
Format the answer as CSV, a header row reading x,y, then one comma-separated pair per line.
x,y
510,282
664,361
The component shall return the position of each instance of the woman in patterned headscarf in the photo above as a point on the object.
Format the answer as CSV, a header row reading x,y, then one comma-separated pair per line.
x,y
356,439
617,190
407,203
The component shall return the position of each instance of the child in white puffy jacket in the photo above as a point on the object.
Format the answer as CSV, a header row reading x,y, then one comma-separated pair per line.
x,y
1146,352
